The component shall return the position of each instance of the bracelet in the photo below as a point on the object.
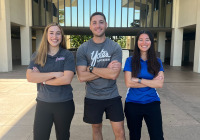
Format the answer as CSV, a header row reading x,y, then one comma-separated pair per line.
x,y
44,83
139,80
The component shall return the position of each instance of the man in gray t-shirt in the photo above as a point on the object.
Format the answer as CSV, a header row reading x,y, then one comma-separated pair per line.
x,y
99,64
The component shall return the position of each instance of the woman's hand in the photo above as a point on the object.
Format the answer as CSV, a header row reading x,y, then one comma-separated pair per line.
x,y
159,77
134,79
57,74
35,69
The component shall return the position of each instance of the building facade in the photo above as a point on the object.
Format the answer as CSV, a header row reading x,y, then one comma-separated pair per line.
x,y
175,24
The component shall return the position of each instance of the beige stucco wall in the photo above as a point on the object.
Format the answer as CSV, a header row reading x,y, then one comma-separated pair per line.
x,y
5,37
168,15
187,13
17,12
155,18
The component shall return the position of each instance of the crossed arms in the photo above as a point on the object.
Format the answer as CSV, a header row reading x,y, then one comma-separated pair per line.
x,y
132,82
110,72
50,78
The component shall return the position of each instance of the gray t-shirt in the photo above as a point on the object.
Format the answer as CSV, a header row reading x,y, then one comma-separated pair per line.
x,y
99,55
60,62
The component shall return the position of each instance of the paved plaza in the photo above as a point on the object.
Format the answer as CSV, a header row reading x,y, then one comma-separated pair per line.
x,y
180,102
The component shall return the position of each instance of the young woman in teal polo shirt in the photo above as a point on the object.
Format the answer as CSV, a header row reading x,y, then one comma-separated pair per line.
x,y
52,67
143,74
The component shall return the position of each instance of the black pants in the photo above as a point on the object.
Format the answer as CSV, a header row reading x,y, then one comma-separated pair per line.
x,y
46,114
151,113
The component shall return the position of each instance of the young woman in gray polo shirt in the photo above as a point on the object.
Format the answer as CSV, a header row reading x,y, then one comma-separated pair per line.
x,y
52,68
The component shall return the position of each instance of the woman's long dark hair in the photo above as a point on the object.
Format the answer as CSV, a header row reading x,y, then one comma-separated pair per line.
x,y
152,62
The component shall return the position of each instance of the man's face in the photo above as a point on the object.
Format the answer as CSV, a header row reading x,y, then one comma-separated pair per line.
x,y
98,26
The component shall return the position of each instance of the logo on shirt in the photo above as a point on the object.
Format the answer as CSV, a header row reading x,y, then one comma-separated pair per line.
x,y
97,56
60,58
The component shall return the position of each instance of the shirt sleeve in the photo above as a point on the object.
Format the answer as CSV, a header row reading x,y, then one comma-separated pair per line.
x,y
32,62
127,66
81,59
117,54
69,62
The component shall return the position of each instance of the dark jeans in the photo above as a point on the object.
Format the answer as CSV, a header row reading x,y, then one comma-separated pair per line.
x,y
151,113
46,114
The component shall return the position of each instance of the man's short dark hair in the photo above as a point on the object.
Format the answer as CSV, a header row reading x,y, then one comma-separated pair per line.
x,y
97,13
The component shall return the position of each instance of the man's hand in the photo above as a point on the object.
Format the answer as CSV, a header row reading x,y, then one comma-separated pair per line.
x,y
115,65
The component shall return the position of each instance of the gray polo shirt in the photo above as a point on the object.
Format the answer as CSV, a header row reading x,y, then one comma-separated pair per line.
x,y
99,55
60,62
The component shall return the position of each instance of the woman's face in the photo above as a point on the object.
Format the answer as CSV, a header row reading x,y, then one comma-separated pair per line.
x,y
54,36
144,42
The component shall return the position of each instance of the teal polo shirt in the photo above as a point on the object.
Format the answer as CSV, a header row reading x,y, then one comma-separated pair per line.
x,y
60,62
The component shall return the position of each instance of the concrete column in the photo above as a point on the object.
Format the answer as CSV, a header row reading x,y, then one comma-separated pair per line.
x,y
176,47
5,37
26,35
128,42
161,45
196,66
26,45
132,44
67,37
39,34
125,54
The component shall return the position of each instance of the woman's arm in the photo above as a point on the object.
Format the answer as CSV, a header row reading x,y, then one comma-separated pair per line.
x,y
34,75
130,83
64,80
156,82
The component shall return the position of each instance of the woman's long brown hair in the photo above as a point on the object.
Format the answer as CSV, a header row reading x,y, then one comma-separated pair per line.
x,y
42,52
152,62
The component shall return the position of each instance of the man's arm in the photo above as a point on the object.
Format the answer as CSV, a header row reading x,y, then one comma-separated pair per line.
x,y
84,75
111,72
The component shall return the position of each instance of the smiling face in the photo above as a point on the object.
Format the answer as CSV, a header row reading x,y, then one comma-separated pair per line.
x,y
54,36
98,26
144,43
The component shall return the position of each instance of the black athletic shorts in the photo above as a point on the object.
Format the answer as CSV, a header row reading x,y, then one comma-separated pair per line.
x,y
94,109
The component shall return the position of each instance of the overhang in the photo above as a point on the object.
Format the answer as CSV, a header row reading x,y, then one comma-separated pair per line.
x,y
111,31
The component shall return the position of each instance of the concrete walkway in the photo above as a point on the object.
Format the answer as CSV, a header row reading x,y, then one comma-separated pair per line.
x,y
180,99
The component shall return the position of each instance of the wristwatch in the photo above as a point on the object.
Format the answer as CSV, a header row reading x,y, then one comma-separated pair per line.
x,y
91,68
139,80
